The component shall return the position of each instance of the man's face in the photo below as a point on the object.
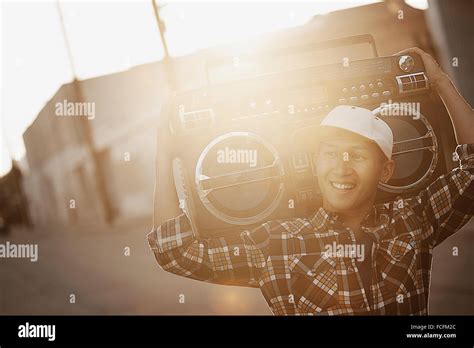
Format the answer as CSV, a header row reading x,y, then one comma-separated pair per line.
x,y
349,169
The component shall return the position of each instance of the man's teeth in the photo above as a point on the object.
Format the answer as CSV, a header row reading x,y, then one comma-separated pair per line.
x,y
342,186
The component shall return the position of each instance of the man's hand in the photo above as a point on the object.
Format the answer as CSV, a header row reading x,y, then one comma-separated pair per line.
x,y
434,72
461,113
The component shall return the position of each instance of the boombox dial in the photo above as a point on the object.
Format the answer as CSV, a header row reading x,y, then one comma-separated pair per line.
x,y
406,63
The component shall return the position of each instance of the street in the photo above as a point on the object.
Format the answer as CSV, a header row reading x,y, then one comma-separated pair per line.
x,y
93,266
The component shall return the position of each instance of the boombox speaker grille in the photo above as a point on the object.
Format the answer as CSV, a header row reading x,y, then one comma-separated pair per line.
x,y
239,178
415,148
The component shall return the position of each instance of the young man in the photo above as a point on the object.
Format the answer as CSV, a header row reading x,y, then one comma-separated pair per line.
x,y
351,256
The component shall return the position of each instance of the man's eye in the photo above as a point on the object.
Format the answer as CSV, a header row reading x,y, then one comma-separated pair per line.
x,y
358,157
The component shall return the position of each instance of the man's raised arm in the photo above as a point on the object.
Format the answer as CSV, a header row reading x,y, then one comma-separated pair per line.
x,y
448,203
235,259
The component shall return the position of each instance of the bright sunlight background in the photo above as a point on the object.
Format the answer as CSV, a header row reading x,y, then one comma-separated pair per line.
x,y
111,36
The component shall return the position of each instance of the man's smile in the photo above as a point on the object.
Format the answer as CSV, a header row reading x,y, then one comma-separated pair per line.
x,y
342,186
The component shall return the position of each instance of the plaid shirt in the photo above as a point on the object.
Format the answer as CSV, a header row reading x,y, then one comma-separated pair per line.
x,y
290,263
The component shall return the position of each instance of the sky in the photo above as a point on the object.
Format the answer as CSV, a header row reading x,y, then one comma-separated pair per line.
x,y
111,36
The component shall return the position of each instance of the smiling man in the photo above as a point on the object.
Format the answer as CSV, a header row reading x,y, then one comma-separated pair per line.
x,y
354,155
351,256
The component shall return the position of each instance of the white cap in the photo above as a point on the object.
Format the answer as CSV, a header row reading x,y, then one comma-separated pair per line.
x,y
362,122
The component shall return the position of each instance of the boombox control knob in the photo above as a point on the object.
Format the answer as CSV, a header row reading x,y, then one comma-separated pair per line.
x,y
406,63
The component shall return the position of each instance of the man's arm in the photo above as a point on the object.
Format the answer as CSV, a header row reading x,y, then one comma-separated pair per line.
x,y
460,112
448,203
165,203
235,259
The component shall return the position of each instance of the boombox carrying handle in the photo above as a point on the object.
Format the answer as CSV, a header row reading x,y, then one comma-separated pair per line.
x,y
228,60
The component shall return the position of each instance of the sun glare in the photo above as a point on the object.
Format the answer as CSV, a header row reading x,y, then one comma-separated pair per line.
x,y
112,36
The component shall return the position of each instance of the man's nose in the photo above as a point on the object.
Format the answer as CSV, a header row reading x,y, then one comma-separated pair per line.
x,y
342,166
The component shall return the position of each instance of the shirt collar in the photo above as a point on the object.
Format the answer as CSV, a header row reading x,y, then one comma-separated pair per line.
x,y
322,218
376,221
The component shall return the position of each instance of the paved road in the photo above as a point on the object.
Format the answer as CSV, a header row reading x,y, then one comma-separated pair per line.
x,y
91,264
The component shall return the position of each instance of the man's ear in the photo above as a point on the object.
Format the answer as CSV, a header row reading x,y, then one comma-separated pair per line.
x,y
388,168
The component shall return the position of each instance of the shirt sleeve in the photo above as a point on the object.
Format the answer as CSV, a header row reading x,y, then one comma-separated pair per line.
x,y
447,204
235,259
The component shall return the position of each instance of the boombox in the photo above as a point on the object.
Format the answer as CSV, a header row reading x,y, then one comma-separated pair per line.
x,y
238,161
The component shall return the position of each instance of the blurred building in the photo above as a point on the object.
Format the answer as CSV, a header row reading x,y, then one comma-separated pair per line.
x,y
13,202
451,26
59,166
127,106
